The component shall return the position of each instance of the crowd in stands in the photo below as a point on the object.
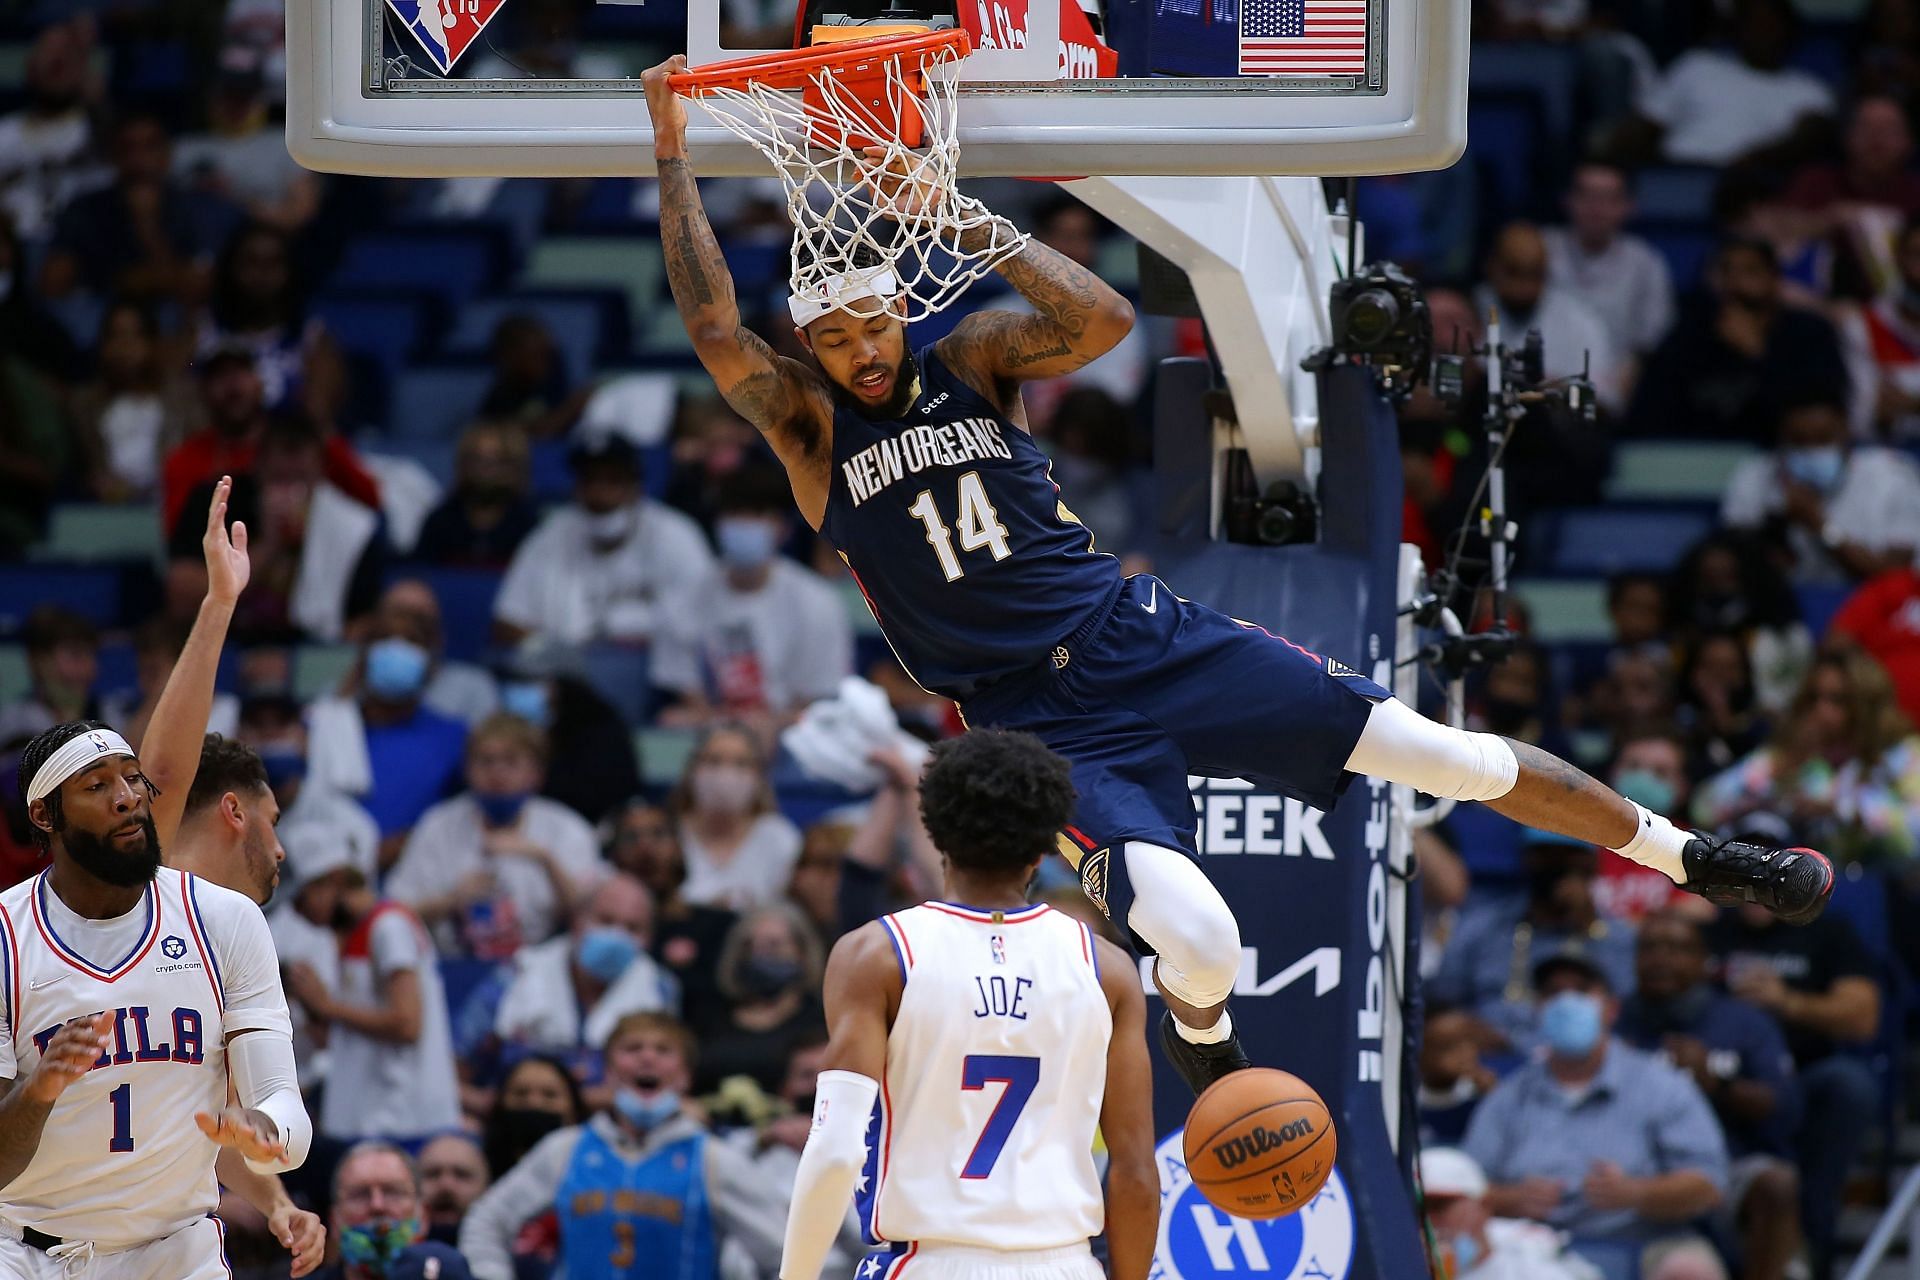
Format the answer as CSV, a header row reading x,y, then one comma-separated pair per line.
x,y
530,608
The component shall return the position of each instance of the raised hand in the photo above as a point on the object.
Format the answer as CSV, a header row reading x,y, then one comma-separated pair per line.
x,y
68,1056
664,105
227,565
248,1132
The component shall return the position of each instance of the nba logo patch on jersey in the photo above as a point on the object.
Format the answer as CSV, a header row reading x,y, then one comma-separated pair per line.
x,y
999,945
1201,1242
445,28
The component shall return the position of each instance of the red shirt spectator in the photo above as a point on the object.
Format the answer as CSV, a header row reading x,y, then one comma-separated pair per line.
x,y
237,416
1883,617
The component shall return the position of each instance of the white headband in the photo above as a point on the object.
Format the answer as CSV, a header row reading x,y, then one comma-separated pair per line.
x,y
73,755
835,292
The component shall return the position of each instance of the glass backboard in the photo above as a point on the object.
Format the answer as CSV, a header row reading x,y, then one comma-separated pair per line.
x,y
1055,88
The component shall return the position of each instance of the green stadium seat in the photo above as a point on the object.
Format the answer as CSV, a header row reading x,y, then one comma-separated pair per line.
x,y
1674,470
318,669
663,754
15,683
632,266
1566,611
92,533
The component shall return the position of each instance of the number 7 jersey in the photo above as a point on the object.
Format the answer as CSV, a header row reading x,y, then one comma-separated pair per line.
x,y
996,1067
953,527
121,1161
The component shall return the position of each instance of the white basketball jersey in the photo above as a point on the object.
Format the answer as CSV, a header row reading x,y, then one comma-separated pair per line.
x,y
120,1160
996,1067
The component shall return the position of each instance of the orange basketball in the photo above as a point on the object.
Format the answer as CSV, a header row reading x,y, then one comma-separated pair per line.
x,y
1259,1143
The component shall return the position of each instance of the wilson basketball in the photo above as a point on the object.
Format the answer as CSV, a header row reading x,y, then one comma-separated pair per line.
x,y
1259,1143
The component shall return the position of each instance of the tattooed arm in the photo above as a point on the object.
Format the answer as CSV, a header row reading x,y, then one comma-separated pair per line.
x,y
1077,317
781,397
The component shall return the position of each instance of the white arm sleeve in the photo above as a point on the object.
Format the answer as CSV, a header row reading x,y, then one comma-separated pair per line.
x,y
266,1078
829,1169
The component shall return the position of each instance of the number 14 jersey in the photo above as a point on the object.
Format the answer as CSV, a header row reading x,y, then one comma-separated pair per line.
x,y
996,1068
955,531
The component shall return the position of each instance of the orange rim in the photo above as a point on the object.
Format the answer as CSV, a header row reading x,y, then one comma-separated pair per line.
x,y
790,68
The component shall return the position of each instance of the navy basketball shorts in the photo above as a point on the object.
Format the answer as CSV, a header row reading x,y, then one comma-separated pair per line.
x,y
1155,688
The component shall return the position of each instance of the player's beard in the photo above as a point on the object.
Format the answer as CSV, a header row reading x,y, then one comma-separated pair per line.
x,y
906,389
97,856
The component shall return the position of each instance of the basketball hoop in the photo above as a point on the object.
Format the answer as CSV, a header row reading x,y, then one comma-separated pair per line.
x,y
868,155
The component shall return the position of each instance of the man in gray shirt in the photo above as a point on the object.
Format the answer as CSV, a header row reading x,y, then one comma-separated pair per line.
x,y
1619,276
1594,1138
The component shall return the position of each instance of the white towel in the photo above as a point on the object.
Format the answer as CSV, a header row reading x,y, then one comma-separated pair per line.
x,y
338,530
337,746
833,738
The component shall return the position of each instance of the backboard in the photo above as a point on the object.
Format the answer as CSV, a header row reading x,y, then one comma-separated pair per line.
x,y
551,88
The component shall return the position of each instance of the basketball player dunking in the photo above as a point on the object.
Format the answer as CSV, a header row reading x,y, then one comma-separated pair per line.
x,y
130,992
997,1038
918,467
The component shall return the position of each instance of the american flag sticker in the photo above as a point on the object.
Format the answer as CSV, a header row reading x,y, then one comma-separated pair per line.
x,y
1303,37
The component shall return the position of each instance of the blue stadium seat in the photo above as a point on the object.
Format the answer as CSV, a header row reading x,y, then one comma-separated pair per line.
x,y
89,590
387,331
434,402
1685,245
453,265
577,321
435,456
1675,193
1503,144
466,607
1819,604
1622,537
608,207
620,674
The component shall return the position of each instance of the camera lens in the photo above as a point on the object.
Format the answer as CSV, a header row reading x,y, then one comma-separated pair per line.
x,y
1274,525
1371,317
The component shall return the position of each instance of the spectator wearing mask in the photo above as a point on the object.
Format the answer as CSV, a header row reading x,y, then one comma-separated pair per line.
x,y
63,665
499,866
1717,708
377,1221
739,849
1819,982
565,996
1618,276
640,1191
1727,366
235,408
143,236
775,1145
687,936
318,555
459,689
310,811
488,515
764,635
46,147
1842,512
604,566
1520,292
1488,961
1453,1078
542,683
1596,1138
384,745
1737,1056
529,384
1843,767
1729,583
453,1174
157,644
134,409
1882,619
1859,201
242,157
1714,106
1475,1245
1649,768
1883,348
537,1095
391,1053
770,972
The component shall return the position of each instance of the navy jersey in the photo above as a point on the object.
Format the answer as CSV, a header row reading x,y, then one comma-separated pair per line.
x,y
957,536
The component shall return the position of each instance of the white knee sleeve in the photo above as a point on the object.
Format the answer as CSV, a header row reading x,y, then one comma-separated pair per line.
x,y
1401,745
1184,919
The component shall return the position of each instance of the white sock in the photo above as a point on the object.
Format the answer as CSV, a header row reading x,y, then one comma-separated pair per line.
x,y
1657,844
1214,1034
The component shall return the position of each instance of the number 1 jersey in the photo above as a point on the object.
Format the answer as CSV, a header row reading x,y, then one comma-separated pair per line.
x,y
996,1067
958,538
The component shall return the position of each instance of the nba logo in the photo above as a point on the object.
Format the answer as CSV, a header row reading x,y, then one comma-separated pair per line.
x,y
999,949
445,28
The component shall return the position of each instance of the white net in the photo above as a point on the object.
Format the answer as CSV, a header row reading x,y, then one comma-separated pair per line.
x,y
858,194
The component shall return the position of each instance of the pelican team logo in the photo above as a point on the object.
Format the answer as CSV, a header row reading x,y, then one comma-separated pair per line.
x,y
445,28
1200,1242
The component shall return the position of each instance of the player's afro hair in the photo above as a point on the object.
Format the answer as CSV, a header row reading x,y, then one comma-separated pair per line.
x,y
994,801
35,754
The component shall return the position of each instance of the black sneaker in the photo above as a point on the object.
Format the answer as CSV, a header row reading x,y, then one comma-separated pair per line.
x,y
1794,884
1201,1064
